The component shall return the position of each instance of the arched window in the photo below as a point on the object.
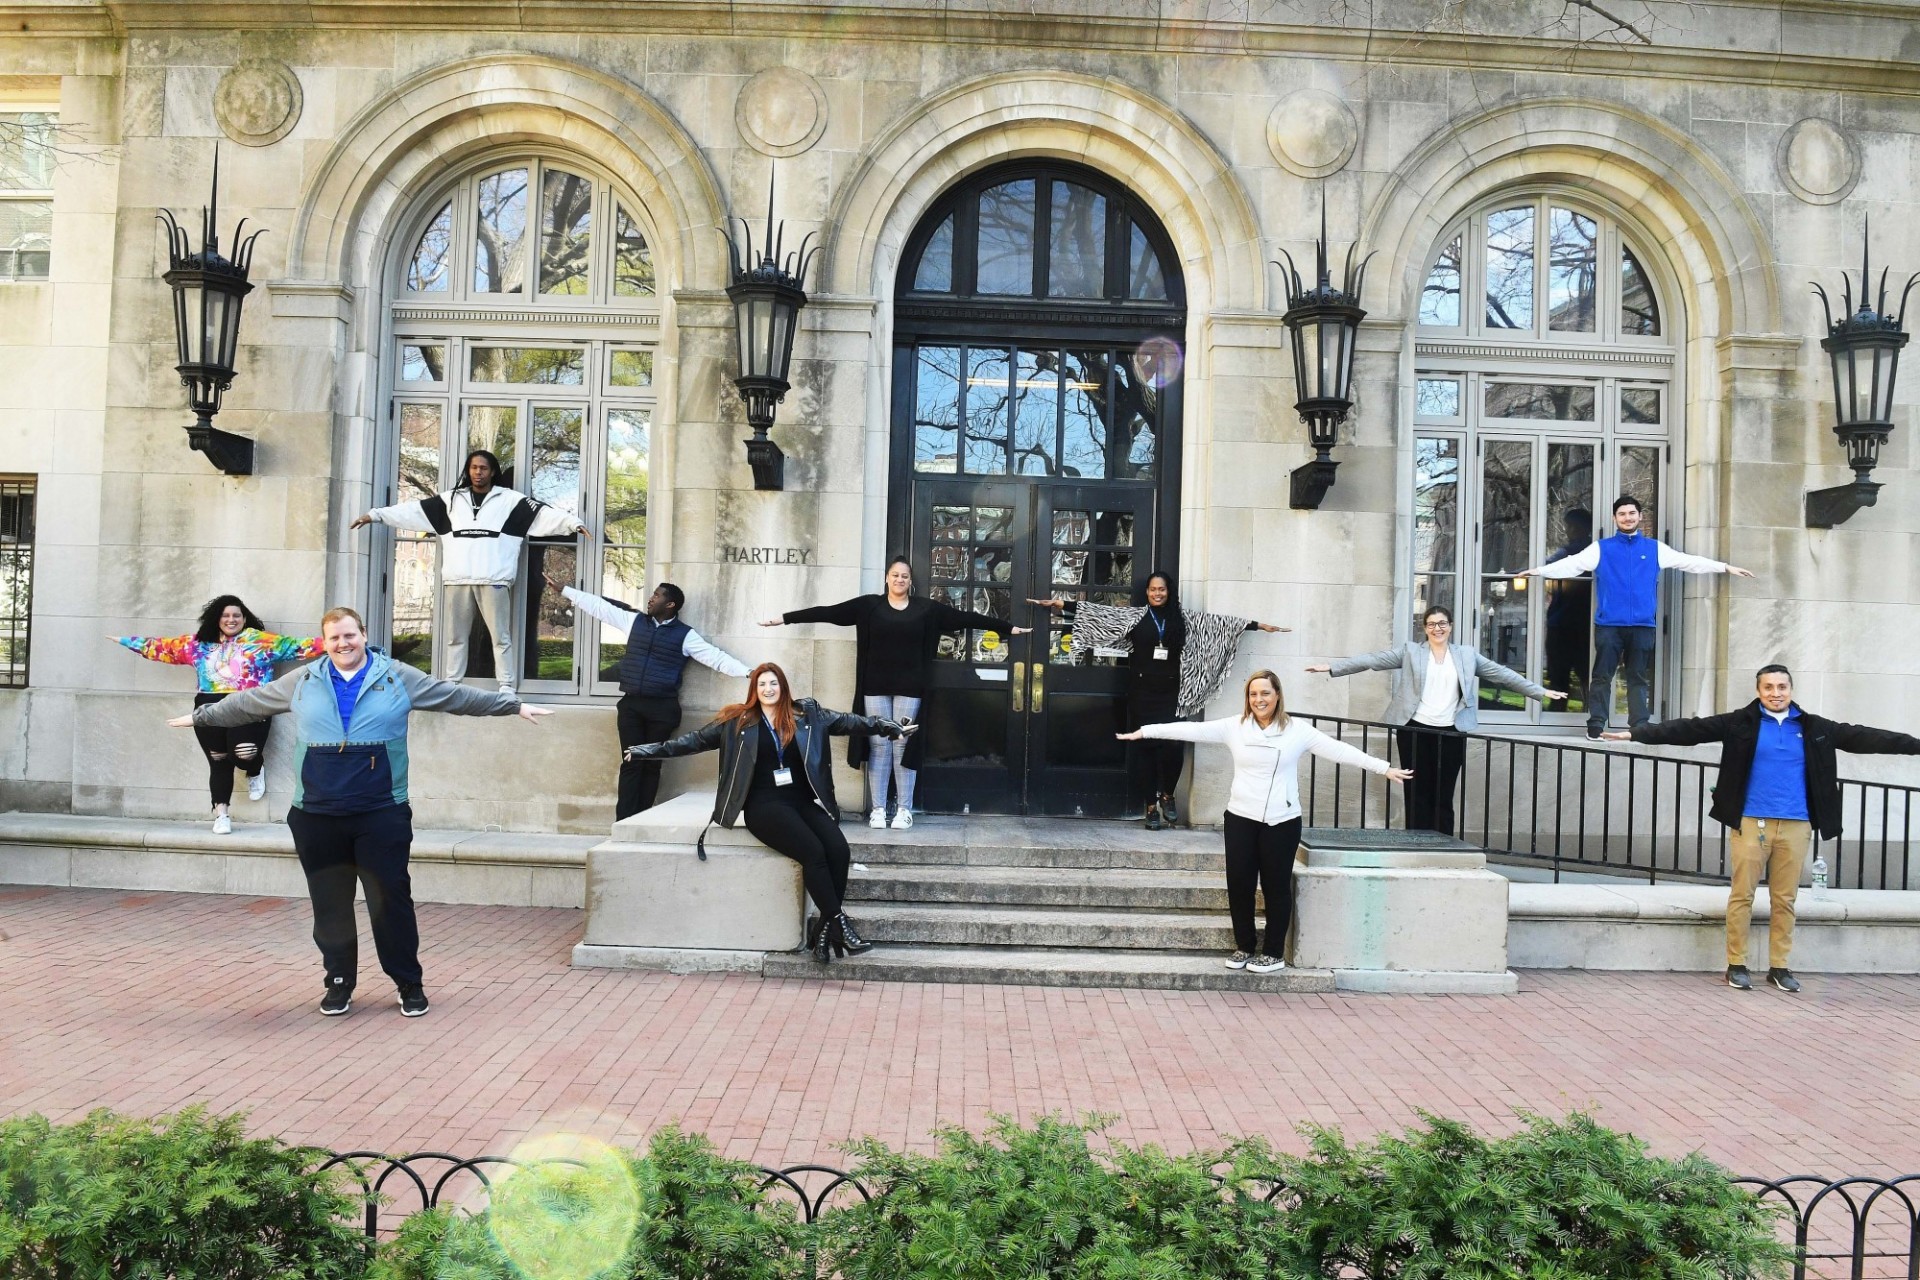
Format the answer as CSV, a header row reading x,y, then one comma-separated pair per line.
x,y
1545,387
524,320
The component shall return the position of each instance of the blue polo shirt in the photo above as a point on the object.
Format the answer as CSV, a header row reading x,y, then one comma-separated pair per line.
x,y
345,690
1777,787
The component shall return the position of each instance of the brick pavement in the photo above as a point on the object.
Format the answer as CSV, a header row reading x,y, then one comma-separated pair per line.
x,y
150,1002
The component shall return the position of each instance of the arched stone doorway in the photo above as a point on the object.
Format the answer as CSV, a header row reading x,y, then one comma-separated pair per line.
x,y
1038,314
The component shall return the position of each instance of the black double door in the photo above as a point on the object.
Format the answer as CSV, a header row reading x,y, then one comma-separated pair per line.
x,y
1012,724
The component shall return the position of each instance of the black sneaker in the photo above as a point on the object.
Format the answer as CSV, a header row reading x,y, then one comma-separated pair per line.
x,y
1783,979
339,998
1170,811
413,1001
1153,818
1593,734
1737,978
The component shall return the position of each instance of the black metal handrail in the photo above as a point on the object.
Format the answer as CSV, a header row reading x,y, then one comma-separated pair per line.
x,y
1576,807
1857,1221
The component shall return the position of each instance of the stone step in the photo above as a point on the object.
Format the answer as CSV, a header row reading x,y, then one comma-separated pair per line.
x,y
1024,842
1042,887
1048,967
967,924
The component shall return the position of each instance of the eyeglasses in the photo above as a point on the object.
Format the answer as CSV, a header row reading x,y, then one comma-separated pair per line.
x,y
1439,626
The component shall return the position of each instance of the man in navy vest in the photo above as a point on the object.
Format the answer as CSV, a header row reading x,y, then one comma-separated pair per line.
x,y
658,647
1626,580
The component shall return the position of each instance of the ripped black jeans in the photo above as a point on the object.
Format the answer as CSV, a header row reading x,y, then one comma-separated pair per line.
x,y
243,747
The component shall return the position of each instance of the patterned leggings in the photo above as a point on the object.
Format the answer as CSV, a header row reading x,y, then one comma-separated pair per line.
x,y
885,755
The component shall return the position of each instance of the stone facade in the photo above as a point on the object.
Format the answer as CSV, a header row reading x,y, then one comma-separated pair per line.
x,y
1746,145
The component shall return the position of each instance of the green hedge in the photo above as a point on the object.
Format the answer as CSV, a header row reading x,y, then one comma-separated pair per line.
x,y
182,1198
191,1199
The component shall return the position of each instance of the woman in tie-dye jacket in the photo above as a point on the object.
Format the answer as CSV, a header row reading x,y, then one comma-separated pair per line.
x,y
231,653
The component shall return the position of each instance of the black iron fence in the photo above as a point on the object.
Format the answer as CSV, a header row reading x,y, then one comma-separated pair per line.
x,y
1863,1228
1608,809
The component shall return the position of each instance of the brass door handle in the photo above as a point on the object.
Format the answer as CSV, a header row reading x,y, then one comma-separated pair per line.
x,y
1019,686
1039,686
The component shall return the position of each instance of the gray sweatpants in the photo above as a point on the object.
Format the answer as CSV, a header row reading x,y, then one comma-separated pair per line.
x,y
495,605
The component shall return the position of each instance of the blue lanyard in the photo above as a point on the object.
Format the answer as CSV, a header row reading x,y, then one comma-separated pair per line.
x,y
779,747
1158,625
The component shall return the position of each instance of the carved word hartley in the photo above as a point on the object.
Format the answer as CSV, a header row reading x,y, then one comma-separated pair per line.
x,y
766,555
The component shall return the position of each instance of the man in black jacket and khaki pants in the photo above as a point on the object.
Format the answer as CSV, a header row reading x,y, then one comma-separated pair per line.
x,y
1778,784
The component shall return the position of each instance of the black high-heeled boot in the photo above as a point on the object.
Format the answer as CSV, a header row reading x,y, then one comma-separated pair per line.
x,y
846,939
820,939
815,926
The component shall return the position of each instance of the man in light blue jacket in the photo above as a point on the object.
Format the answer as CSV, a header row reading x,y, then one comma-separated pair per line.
x,y
350,817
1436,696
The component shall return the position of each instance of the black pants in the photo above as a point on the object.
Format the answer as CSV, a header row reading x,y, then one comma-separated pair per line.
x,y
805,833
1154,764
243,746
1260,857
639,718
370,849
1436,756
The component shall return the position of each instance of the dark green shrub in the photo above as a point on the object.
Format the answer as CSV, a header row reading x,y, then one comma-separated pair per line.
x,y
1040,1202
180,1198
1560,1200
676,1213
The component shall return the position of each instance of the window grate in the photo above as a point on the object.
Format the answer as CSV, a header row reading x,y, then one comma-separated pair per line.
x,y
17,494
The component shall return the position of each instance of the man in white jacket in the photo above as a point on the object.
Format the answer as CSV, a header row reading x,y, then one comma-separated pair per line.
x,y
481,527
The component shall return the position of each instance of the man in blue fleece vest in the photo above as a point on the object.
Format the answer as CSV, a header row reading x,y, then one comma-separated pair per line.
x,y
1626,581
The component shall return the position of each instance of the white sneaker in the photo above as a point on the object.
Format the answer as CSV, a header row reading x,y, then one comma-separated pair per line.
x,y
257,786
903,820
222,825
1238,960
877,819
505,688
1266,964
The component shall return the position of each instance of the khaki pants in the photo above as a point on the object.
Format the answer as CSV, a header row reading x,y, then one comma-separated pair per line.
x,y
495,605
1782,849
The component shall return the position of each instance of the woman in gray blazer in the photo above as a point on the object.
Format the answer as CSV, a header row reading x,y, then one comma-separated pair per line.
x,y
1436,695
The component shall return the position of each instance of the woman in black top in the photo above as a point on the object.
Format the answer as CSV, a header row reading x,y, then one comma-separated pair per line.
x,y
898,634
773,774
1156,643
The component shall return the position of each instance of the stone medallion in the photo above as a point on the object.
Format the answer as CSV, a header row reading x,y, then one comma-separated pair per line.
x,y
258,102
1818,163
1312,133
781,112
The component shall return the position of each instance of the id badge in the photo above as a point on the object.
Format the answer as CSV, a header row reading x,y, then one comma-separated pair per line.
x,y
1160,653
782,777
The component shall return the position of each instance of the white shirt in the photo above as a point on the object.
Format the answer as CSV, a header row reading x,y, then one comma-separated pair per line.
x,y
1266,762
696,646
1440,697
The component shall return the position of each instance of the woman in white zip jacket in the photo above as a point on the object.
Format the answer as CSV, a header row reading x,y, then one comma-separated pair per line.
x,y
1262,825
481,527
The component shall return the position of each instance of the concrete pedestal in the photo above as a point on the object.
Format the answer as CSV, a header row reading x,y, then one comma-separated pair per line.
x,y
653,904
1401,911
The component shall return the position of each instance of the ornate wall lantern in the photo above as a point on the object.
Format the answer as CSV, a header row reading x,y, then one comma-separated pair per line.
x,y
1864,346
767,295
207,294
1322,323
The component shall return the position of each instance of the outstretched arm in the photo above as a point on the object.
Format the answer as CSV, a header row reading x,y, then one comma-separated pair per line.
x,y
845,614
1328,748
1184,731
708,654
411,516
706,738
1379,660
180,651
1689,732
1493,673
952,619
1672,559
1585,560
270,699
429,694
289,648
597,606
1863,740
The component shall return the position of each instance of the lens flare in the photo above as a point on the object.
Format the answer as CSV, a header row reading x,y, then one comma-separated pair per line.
x,y
566,1210
1158,362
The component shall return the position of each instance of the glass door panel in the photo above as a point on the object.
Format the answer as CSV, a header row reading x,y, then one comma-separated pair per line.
x,y
1566,628
1507,483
